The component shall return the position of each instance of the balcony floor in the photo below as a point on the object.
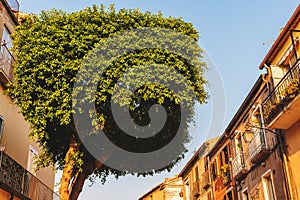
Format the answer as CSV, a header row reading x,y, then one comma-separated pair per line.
x,y
241,174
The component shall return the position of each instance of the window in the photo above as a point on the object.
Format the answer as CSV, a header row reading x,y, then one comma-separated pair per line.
x,y
289,58
187,189
209,196
245,195
205,163
257,119
196,173
258,124
238,143
5,51
228,196
224,157
1,126
32,156
6,39
213,171
224,160
268,186
6,45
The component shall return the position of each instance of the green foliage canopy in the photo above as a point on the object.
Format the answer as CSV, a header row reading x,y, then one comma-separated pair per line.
x,y
50,49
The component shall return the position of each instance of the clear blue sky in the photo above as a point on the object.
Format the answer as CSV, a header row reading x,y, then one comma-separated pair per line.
x,y
232,33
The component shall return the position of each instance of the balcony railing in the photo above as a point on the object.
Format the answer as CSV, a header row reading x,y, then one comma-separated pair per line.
x,y
285,91
239,165
23,183
258,147
205,180
6,65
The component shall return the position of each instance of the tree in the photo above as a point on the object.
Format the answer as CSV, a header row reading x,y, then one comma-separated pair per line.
x,y
54,47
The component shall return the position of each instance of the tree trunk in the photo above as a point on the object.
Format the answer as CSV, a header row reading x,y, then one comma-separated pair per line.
x,y
79,180
72,182
67,175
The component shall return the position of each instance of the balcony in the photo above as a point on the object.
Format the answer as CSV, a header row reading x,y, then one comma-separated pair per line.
x,y
258,147
205,180
238,166
283,102
6,65
196,188
17,180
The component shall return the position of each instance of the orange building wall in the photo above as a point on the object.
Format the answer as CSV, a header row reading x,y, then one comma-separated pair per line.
x,y
293,142
15,137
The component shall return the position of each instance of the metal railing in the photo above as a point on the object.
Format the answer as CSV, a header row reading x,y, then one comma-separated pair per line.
x,y
238,163
258,143
14,176
284,92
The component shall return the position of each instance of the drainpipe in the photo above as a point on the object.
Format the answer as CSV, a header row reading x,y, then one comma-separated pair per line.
x,y
286,174
268,76
11,196
269,71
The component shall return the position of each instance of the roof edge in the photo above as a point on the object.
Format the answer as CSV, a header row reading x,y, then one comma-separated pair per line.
x,y
281,36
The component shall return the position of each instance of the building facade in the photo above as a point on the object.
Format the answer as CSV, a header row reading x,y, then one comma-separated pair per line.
x,y
281,108
18,178
256,162
220,169
170,189
195,175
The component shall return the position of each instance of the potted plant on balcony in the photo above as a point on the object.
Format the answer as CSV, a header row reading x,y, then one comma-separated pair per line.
x,y
290,91
224,169
268,109
224,172
283,98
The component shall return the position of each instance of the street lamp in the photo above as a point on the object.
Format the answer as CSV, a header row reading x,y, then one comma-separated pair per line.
x,y
248,134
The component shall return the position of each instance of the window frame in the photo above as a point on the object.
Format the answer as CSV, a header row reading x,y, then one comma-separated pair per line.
x,y
245,193
206,163
1,126
187,188
7,45
238,139
261,128
31,165
258,111
213,170
268,175
196,170
230,190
